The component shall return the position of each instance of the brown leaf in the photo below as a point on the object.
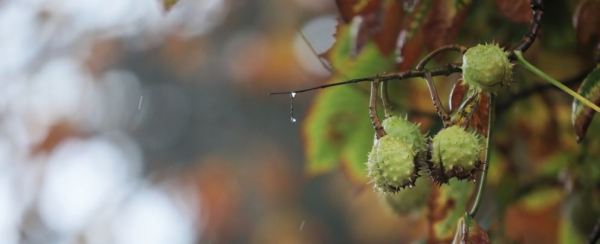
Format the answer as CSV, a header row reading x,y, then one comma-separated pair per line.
x,y
587,22
347,9
582,115
517,11
444,21
410,52
479,120
457,95
469,232
380,21
535,218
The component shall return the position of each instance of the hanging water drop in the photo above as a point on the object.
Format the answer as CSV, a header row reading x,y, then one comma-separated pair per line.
x,y
292,95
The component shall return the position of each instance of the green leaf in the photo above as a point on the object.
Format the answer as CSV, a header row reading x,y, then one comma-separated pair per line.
x,y
338,128
582,115
448,205
568,233
333,124
541,199
368,62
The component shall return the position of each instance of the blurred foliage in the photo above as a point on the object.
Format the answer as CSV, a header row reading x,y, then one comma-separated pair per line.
x,y
540,177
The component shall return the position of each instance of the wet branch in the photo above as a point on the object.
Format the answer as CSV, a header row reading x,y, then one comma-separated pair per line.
x,y
385,100
445,70
537,6
379,131
437,103
431,55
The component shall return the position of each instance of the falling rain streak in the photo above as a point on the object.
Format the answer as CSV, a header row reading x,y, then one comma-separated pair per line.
x,y
292,95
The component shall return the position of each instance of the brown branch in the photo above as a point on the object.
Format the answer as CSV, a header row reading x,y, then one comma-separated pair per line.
x,y
451,47
385,100
314,51
537,6
445,70
437,103
379,131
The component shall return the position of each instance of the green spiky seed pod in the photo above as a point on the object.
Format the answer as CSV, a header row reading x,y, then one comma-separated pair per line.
x,y
391,165
406,202
487,68
455,153
409,132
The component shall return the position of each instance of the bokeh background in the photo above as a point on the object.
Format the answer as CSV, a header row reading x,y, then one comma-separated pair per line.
x,y
148,121
132,121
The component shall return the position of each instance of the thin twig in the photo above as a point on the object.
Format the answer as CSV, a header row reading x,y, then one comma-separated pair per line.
x,y
385,100
314,51
539,88
445,70
431,55
437,103
595,235
486,164
379,131
553,81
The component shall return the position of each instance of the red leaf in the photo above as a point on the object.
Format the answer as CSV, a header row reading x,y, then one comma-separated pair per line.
x,y
587,20
479,120
347,10
444,21
457,94
469,232
380,21
518,11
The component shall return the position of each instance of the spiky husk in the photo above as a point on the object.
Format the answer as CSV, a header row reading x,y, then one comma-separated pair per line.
x,y
454,153
487,68
406,202
409,132
391,165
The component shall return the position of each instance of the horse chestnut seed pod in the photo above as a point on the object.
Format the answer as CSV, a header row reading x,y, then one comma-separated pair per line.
x,y
455,153
407,202
391,165
487,68
409,132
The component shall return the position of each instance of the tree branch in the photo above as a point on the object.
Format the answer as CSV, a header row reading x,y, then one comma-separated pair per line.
x,y
449,69
537,6
379,131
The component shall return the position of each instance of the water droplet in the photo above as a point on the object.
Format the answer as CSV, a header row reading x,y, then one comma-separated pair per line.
x,y
302,225
140,103
410,186
292,95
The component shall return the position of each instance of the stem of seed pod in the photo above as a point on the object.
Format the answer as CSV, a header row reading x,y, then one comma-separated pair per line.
x,y
488,149
540,73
